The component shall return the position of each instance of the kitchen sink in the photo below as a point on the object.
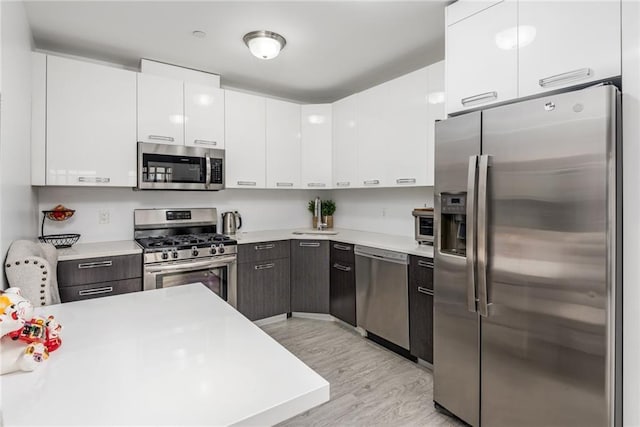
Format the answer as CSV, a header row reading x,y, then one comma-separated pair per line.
x,y
316,232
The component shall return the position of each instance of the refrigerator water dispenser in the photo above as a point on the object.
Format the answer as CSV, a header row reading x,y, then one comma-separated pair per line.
x,y
453,220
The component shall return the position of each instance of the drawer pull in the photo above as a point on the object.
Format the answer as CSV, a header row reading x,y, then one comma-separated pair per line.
x,y
425,291
284,184
95,179
247,183
96,291
341,267
341,247
97,264
205,142
483,97
309,244
343,184
162,138
316,184
425,264
264,266
372,182
405,181
263,247
565,77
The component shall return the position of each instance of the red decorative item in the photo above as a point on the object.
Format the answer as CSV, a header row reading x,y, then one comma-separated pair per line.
x,y
40,330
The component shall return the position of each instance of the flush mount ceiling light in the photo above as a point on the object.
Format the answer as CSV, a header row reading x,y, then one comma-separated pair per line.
x,y
264,44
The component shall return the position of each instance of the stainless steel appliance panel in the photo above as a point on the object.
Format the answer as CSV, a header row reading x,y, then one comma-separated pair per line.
x,y
382,294
546,358
456,329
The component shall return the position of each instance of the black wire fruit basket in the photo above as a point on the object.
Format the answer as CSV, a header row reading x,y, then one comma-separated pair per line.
x,y
59,213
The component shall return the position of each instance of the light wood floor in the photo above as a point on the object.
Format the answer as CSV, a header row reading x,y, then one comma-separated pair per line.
x,y
370,385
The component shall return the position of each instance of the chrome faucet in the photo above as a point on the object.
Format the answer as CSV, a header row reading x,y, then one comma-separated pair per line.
x,y
318,214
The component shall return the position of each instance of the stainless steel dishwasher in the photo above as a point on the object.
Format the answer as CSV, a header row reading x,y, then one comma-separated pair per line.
x,y
382,300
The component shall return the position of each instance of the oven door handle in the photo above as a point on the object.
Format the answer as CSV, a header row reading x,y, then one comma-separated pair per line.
x,y
176,268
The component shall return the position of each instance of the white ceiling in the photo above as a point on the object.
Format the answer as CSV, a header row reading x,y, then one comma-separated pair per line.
x,y
334,48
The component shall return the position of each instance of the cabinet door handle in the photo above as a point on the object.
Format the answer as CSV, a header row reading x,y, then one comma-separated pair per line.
x,y
309,244
341,247
316,184
162,138
425,291
405,181
263,247
264,266
96,291
96,264
341,267
425,264
565,77
343,184
487,96
205,142
247,183
284,184
94,179
372,182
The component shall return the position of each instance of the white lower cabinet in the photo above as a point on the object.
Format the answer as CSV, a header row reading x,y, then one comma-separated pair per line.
x,y
315,156
244,140
282,144
90,124
345,143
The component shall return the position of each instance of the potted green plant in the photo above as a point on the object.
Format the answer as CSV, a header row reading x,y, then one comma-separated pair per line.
x,y
328,209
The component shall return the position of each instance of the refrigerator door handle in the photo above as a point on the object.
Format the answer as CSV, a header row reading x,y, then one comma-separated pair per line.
x,y
483,176
471,234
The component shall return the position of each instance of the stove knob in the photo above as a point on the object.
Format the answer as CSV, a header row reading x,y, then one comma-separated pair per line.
x,y
174,254
165,255
221,249
194,252
213,250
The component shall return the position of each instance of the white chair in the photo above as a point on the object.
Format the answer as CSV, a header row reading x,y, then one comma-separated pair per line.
x,y
32,267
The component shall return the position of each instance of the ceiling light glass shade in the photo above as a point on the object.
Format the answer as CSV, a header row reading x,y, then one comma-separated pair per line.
x,y
264,44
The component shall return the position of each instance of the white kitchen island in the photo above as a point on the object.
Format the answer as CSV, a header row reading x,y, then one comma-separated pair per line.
x,y
175,356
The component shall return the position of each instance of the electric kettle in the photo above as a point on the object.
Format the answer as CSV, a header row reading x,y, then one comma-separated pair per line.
x,y
231,222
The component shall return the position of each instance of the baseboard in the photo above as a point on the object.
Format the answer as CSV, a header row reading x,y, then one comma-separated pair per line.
x,y
269,320
314,316
425,364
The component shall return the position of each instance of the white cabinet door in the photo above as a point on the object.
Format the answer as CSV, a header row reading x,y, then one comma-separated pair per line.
x,y
407,106
482,58
374,136
160,110
345,143
435,100
283,144
244,140
91,124
315,160
204,116
563,43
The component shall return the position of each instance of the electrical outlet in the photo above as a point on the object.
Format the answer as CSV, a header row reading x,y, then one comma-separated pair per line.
x,y
104,216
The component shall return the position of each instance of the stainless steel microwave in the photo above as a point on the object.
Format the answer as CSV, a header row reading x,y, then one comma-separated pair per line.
x,y
178,167
424,225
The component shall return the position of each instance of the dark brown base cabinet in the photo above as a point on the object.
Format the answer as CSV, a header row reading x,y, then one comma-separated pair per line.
x,y
421,307
99,277
263,279
342,289
310,276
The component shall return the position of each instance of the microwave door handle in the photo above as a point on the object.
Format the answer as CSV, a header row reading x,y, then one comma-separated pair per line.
x,y
208,172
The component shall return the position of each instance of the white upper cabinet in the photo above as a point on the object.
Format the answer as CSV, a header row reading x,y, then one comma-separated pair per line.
x,y
345,143
160,110
282,144
204,116
563,43
315,160
90,125
374,136
407,113
435,101
244,140
482,57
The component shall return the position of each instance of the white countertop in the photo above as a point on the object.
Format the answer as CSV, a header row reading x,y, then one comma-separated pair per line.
x,y
377,240
99,249
174,356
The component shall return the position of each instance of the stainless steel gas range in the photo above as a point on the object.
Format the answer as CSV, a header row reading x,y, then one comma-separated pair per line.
x,y
182,246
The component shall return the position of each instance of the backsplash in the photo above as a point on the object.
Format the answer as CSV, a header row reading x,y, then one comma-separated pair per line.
x,y
260,209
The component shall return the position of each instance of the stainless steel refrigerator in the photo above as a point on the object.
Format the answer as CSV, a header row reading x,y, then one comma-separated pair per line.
x,y
527,212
